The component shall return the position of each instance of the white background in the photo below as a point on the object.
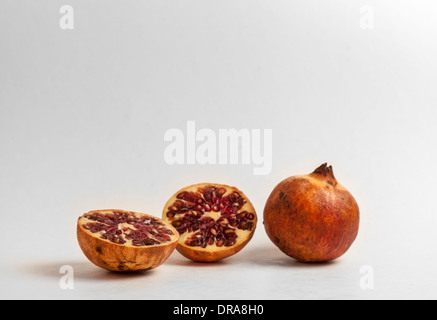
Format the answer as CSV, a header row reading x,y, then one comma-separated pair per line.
x,y
83,114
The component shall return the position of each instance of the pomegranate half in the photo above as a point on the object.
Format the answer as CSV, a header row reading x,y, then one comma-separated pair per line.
x,y
214,221
312,218
125,241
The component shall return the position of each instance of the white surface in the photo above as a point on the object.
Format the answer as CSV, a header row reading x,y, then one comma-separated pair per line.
x,y
83,115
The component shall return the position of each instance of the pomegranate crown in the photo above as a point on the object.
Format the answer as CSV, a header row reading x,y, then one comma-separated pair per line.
x,y
327,172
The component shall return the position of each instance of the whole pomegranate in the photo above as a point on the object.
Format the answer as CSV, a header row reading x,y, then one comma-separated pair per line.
x,y
125,241
312,218
214,221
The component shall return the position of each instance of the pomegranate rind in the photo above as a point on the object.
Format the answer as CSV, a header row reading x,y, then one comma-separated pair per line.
x,y
123,257
311,218
212,253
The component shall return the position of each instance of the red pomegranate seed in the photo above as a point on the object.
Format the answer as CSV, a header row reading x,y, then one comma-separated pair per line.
x,y
141,232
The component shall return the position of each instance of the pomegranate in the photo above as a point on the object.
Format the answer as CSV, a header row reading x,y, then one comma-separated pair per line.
x,y
214,221
312,218
125,241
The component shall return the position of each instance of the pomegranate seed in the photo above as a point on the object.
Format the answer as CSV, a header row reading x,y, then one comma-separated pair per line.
x,y
181,195
223,223
170,215
230,243
221,191
108,225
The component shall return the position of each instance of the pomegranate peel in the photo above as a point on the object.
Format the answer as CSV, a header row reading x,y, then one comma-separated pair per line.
x,y
125,241
312,218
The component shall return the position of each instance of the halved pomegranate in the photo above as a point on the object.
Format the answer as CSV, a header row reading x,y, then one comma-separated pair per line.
x,y
125,241
214,221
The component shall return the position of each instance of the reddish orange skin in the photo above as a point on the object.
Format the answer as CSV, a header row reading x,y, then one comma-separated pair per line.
x,y
312,218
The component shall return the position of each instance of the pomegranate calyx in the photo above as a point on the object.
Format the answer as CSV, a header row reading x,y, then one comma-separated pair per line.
x,y
327,172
